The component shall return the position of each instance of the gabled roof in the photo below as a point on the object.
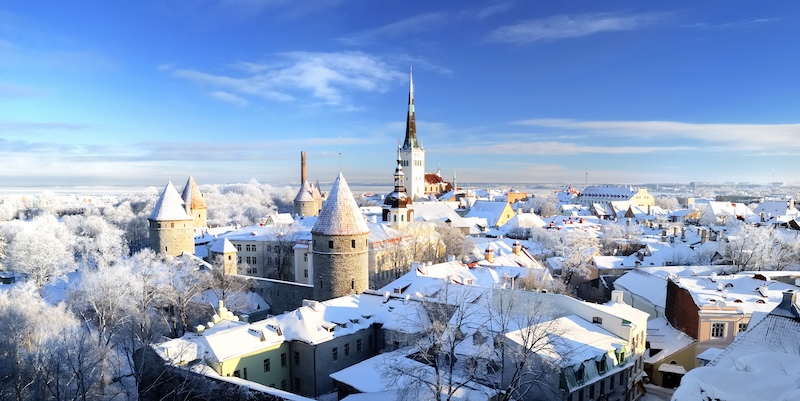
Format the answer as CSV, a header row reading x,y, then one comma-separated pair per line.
x,y
340,214
192,196
169,206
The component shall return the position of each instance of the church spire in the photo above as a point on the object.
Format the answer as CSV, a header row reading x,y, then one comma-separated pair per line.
x,y
411,123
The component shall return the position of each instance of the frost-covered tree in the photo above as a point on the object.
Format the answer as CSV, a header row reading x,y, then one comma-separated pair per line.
x,y
546,206
98,243
44,352
575,247
103,297
183,282
455,243
41,250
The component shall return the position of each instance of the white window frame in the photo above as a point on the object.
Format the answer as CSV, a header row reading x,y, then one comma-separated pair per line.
x,y
723,329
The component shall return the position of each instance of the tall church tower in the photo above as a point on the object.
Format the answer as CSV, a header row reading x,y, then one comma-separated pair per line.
x,y
171,228
412,155
340,245
397,206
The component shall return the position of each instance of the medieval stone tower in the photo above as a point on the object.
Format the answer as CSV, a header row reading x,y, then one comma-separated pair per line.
x,y
340,246
397,210
226,252
305,203
412,155
171,228
195,203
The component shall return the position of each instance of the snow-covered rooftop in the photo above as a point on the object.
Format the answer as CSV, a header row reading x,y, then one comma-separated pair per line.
x,y
169,206
664,340
340,214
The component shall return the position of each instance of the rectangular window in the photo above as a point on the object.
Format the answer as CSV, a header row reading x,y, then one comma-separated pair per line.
x,y
717,330
347,349
353,243
335,353
305,273
248,260
597,319
245,374
283,360
296,358
238,247
330,244
266,365
252,270
255,262
742,327
239,259
358,345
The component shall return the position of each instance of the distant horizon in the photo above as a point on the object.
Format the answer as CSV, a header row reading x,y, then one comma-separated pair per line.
x,y
357,187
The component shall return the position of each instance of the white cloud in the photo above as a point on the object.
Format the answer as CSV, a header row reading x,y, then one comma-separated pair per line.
x,y
562,148
415,24
229,98
570,26
751,137
327,77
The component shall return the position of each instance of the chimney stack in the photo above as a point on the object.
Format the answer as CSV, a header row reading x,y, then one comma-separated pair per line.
x,y
302,167
489,255
516,248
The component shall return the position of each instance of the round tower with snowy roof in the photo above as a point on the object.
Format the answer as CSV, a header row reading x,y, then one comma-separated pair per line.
x,y
304,202
195,203
171,228
340,245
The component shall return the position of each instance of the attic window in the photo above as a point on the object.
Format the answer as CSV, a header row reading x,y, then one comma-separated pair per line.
x,y
597,319
729,285
760,301
737,301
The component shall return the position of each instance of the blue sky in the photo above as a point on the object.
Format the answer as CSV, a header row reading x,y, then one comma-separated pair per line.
x,y
141,92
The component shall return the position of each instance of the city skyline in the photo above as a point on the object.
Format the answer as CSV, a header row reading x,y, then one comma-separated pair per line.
x,y
233,90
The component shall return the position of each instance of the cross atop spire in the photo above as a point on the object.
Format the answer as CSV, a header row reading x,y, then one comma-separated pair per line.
x,y
411,123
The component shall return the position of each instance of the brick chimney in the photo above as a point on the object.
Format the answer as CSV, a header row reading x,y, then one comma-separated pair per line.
x,y
302,167
516,248
489,255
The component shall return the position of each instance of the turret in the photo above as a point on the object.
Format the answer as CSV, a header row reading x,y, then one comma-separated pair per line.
x,y
226,251
171,228
340,245
195,203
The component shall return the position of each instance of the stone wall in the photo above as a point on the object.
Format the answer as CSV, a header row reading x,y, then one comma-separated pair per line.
x,y
341,265
172,237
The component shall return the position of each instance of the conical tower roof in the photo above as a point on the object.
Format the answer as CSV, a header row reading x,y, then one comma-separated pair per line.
x,y
191,195
169,206
340,214
305,194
